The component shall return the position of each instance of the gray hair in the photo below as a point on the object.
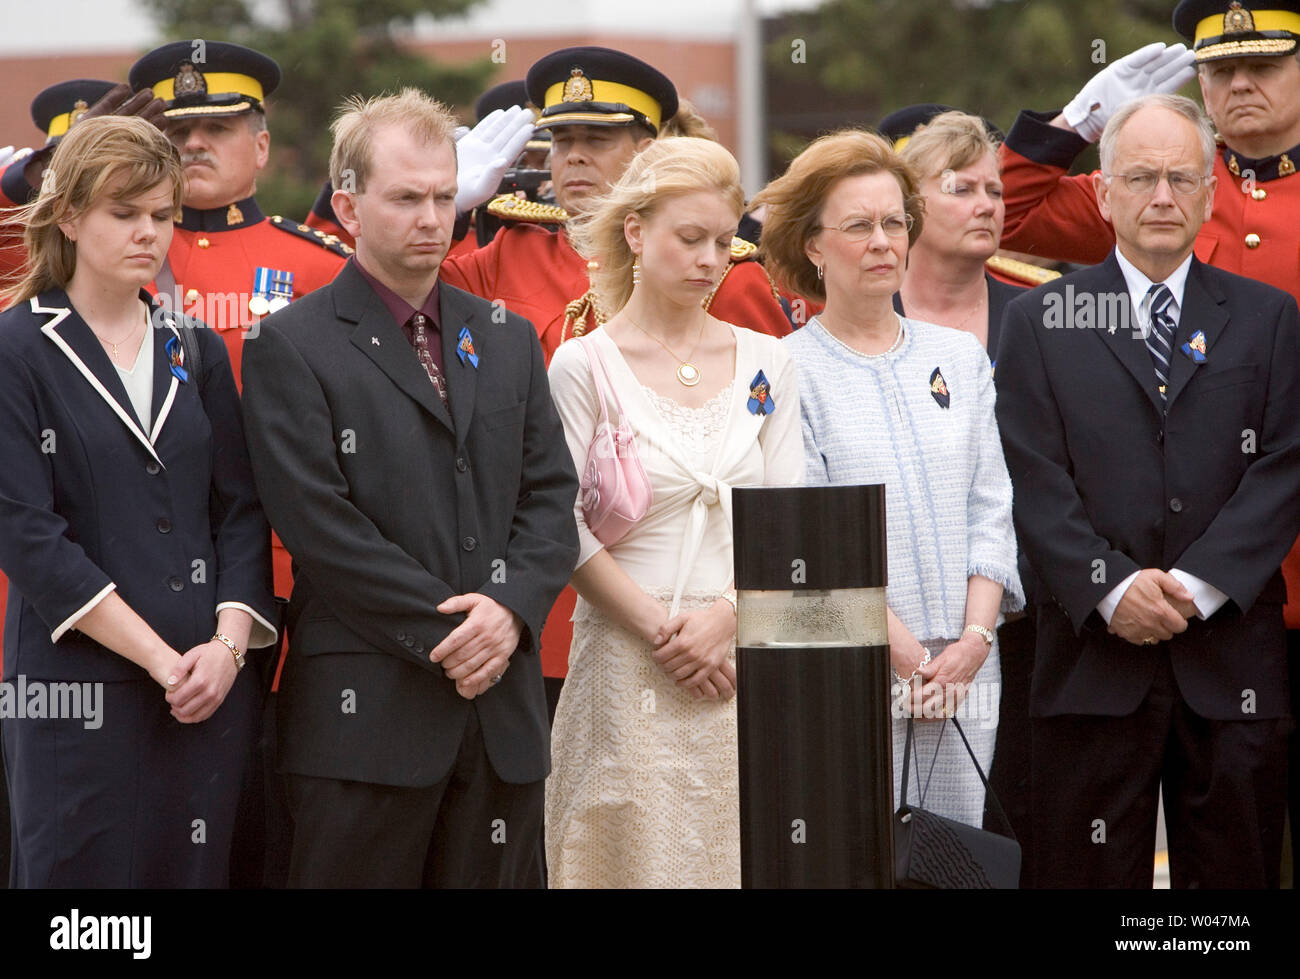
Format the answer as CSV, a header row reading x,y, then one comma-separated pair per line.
x,y
1179,104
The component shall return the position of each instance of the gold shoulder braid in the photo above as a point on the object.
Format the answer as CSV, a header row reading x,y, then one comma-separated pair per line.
x,y
1021,270
511,208
575,315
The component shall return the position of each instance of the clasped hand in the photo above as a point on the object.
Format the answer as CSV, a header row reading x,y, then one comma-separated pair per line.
x,y
197,682
692,649
479,649
1155,607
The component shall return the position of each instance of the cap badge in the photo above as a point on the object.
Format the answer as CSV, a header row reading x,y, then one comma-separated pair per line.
x,y
79,109
1237,20
578,87
189,81
1284,166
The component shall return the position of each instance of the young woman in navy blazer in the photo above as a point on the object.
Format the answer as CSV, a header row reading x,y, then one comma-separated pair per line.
x,y
137,552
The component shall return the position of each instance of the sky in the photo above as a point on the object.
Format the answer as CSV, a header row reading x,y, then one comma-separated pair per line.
x,y
110,25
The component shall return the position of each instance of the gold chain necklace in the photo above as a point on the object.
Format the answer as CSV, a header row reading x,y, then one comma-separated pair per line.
x,y
124,339
687,373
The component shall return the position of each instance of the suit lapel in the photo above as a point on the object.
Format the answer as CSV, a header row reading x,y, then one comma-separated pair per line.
x,y
379,337
1126,342
455,312
1201,310
76,341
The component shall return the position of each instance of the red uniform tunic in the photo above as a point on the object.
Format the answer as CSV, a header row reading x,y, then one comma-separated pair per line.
x,y
214,257
1254,230
536,273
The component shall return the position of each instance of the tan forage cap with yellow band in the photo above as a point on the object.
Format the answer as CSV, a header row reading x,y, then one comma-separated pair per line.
x,y
206,78
600,87
1234,29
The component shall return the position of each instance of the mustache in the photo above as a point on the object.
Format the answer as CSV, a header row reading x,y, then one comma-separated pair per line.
x,y
189,158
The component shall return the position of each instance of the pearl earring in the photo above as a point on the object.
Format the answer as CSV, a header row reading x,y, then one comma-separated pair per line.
x,y
636,270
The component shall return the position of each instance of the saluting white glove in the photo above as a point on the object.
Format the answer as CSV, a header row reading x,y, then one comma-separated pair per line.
x,y
485,153
1154,68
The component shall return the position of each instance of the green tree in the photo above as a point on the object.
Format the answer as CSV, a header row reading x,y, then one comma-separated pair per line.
x,y
861,59
327,50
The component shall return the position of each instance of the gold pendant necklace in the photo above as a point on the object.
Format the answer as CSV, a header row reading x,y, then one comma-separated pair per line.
x,y
687,373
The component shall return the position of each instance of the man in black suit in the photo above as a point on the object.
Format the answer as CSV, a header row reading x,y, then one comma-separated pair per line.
x,y
408,453
1156,465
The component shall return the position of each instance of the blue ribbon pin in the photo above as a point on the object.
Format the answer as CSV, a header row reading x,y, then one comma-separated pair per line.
x,y
465,348
1195,347
760,401
176,358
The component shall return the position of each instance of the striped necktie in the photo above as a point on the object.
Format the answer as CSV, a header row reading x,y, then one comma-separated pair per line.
x,y
1160,338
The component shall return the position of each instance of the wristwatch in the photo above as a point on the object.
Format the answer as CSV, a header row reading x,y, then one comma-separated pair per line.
x,y
983,633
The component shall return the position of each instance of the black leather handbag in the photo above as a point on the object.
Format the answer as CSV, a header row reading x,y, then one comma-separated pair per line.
x,y
931,851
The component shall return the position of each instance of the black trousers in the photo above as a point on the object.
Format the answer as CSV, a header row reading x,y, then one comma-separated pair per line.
x,y
469,830
1009,775
1095,782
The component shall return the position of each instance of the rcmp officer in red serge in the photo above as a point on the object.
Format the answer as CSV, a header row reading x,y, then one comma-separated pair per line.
x,y
602,107
1247,62
229,264
224,245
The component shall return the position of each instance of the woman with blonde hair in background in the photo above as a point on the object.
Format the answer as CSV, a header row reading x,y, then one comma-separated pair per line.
x,y
644,788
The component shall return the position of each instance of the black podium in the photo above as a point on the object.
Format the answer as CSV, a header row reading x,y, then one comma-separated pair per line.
x,y
816,760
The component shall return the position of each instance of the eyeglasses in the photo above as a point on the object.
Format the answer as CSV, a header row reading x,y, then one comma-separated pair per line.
x,y
1145,181
860,229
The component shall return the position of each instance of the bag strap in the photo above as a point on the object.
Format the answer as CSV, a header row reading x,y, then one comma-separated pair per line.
x,y
603,382
988,789
598,377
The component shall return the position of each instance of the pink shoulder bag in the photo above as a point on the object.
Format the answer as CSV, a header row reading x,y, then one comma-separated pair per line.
x,y
615,488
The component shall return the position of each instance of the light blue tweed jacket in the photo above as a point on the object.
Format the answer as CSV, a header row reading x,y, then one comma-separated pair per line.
x,y
932,439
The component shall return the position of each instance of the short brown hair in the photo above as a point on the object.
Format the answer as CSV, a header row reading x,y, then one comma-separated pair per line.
x,y
950,141
427,119
795,201
92,155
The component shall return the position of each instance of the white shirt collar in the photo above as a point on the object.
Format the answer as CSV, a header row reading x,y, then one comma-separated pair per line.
x,y
1138,284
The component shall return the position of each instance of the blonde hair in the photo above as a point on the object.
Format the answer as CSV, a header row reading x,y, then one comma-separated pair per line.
x,y
425,118
950,141
796,198
667,168
93,154
687,121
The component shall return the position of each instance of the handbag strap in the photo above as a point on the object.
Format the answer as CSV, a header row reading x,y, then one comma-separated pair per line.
x,y
988,789
600,374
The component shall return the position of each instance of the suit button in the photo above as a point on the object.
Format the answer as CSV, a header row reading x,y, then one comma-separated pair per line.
x,y
469,543
153,469
401,637
1259,193
1176,505
408,642
164,526
175,584
1160,437
461,464
1252,240
203,243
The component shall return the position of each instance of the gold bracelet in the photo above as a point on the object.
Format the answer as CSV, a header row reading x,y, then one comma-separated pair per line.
x,y
234,650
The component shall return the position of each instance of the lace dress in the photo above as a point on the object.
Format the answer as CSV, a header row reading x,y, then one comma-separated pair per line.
x,y
644,786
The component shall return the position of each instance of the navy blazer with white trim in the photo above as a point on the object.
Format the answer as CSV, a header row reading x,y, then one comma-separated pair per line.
x,y
91,500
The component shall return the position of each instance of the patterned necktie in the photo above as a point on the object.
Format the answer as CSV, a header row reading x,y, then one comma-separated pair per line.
x,y
420,324
1160,338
